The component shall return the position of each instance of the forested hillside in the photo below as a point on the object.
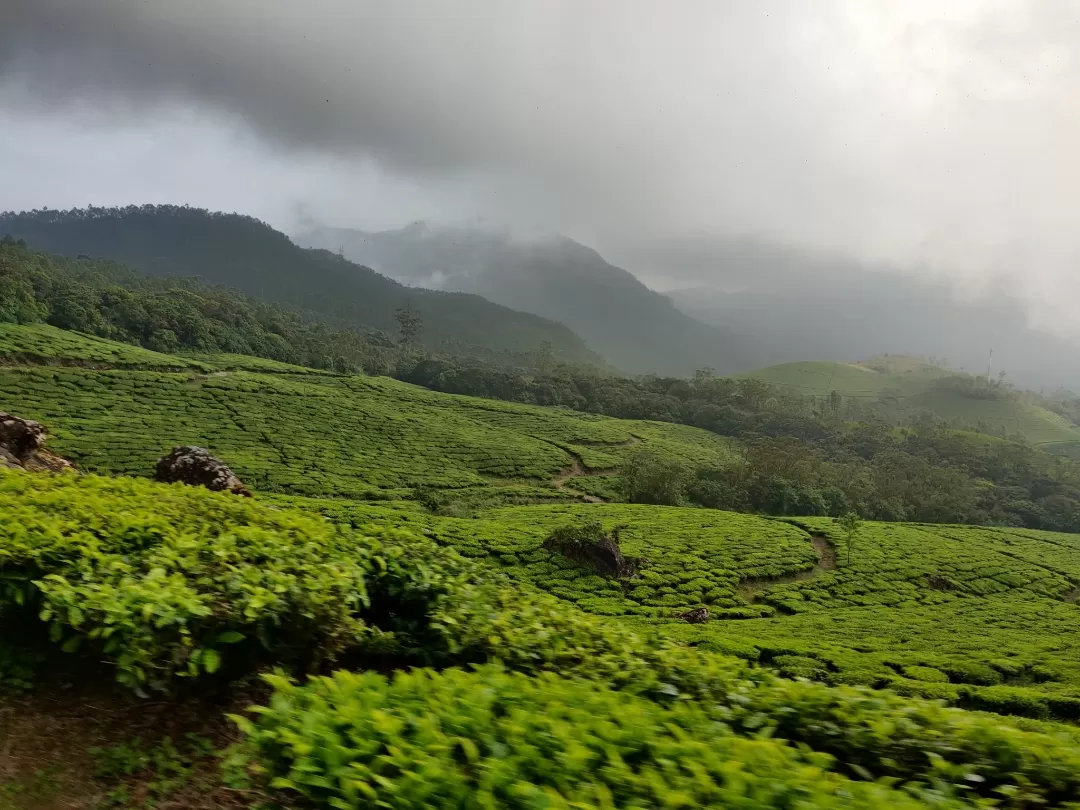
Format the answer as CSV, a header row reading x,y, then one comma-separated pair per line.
x,y
246,254
638,329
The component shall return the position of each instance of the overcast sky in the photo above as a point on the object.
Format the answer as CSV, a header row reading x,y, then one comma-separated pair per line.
x,y
939,136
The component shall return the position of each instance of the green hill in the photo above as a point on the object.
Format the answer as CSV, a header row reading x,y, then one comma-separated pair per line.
x,y
315,434
459,645
250,256
864,381
911,385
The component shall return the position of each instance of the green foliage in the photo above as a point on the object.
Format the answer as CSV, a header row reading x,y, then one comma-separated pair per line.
x,y
44,344
295,586
162,769
496,739
648,477
18,664
320,434
37,790
173,581
806,456
849,524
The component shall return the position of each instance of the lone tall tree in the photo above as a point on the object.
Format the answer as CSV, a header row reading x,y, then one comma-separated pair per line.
x,y
409,322
850,525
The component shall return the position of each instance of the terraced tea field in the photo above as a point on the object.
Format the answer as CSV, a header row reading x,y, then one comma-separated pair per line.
x,y
982,617
40,343
318,434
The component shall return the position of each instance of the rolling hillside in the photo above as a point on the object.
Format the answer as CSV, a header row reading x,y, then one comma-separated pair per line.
x,y
117,408
865,381
249,255
906,383
363,449
470,621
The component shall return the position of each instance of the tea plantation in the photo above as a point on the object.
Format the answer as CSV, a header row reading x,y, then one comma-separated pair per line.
x,y
169,585
400,655
981,617
313,434
40,343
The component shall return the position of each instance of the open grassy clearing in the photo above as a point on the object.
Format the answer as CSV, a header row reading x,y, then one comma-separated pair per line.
x,y
1036,424
820,378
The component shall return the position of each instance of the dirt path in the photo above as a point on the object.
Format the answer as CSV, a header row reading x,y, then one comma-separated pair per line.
x,y
749,589
576,470
577,467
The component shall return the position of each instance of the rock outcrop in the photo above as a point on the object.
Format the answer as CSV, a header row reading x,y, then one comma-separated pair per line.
x,y
589,546
696,616
22,446
196,467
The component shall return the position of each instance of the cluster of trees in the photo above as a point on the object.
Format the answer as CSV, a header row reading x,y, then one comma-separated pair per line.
x,y
800,456
931,475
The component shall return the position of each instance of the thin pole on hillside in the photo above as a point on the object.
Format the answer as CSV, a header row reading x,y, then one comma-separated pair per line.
x,y
988,361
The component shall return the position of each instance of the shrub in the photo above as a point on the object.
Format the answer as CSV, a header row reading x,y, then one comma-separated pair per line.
x,y
168,581
649,477
491,738
926,674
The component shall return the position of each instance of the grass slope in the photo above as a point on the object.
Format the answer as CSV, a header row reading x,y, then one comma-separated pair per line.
x,y
819,379
907,382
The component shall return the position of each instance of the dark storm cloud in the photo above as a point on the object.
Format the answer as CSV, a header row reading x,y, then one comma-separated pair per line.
x,y
921,133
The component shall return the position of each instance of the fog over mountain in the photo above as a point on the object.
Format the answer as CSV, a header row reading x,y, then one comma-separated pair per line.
x,y
935,140
636,328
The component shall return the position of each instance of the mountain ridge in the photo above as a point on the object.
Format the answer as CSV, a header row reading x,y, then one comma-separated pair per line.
x,y
637,328
249,255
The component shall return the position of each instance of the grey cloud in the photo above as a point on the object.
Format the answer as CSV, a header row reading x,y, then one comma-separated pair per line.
x,y
928,135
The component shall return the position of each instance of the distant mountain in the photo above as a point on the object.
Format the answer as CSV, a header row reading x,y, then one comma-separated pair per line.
x,y
638,329
249,255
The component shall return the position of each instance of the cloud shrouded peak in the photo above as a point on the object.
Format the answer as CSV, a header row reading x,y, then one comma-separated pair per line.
x,y
917,134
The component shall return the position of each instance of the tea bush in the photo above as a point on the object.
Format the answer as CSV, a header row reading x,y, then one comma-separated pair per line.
x,y
490,738
173,581
170,581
